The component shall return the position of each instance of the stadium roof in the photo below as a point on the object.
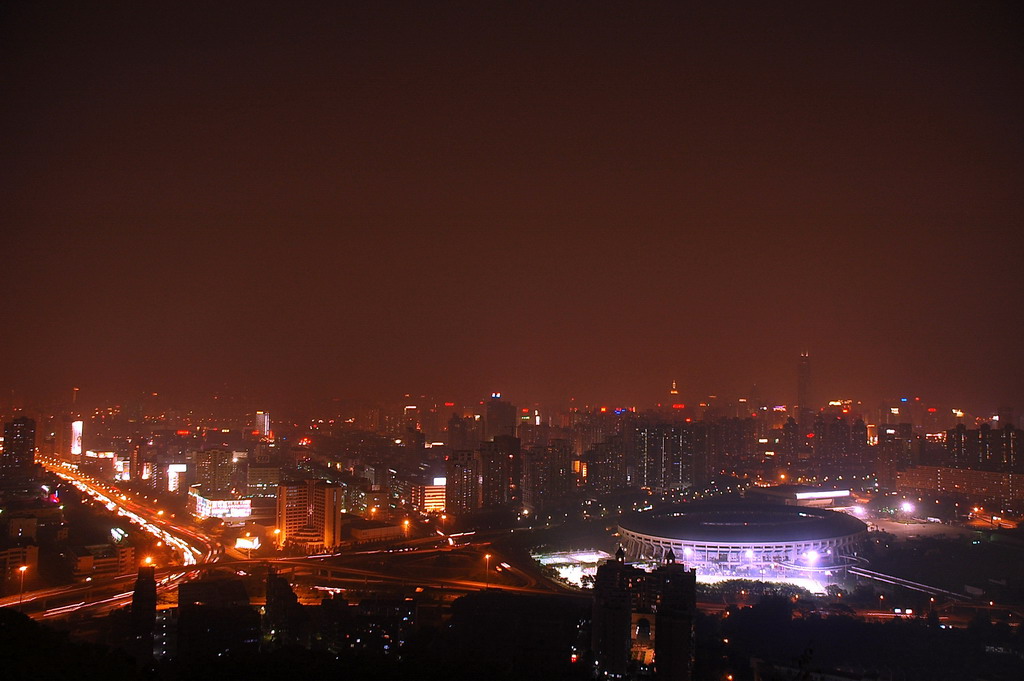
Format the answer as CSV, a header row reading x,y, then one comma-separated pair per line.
x,y
745,522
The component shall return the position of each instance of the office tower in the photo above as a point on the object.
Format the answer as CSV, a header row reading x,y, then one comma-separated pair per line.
x,y
832,440
674,621
859,439
462,491
19,445
605,466
499,418
665,454
143,613
500,471
309,514
804,399
261,424
262,481
214,468
894,452
464,433
612,617
546,476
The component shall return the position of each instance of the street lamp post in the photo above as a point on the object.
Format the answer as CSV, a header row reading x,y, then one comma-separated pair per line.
x,y
21,591
487,571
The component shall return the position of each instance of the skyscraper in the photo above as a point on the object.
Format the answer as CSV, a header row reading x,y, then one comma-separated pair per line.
x,y
462,491
19,445
143,613
499,418
261,424
611,618
804,400
214,469
674,621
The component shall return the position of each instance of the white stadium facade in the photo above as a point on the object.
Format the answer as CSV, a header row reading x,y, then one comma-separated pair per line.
x,y
745,540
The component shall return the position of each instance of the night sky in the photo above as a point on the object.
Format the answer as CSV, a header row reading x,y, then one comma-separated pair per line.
x,y
548,199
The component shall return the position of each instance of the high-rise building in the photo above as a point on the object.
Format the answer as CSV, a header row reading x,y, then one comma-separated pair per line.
x,y
804,399
309,514
674,621
605,466
500,471
261,424
611,618
499,418
143,613
464,432
214,468
462,475
19,445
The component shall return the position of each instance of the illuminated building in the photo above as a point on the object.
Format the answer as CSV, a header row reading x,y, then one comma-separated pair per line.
x,y
500,470
746,540
218,505
547,476
309,514
973,483
19,445
261,424
214,468
103,560
605,466
262,481
462,490
985,448
430,498
664,454
14,554
800,495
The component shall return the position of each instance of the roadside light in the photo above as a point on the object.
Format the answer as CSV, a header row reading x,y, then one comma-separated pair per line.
x,y
148,560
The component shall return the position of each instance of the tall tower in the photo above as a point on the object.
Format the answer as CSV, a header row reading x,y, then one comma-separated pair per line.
x,y
19,445
675,620
143,612
612,614
804,401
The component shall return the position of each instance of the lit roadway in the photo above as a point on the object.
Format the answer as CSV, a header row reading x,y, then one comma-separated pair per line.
x,y
191,548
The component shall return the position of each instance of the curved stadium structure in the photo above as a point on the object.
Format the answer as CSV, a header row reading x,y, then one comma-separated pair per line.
x,y
745,540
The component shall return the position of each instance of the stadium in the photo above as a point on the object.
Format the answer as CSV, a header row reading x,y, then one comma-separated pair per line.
x,y
750,541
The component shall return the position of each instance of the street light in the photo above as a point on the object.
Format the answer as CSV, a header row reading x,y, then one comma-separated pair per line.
x,y
487,570
405,526
21,592
277,537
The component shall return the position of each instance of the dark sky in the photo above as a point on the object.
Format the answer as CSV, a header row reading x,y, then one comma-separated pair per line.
x,y
548,199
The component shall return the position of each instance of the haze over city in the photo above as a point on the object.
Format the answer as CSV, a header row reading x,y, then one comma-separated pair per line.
x,y
550,201
561,341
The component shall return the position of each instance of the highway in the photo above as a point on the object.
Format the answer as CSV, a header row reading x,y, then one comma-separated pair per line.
x,y
191,548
